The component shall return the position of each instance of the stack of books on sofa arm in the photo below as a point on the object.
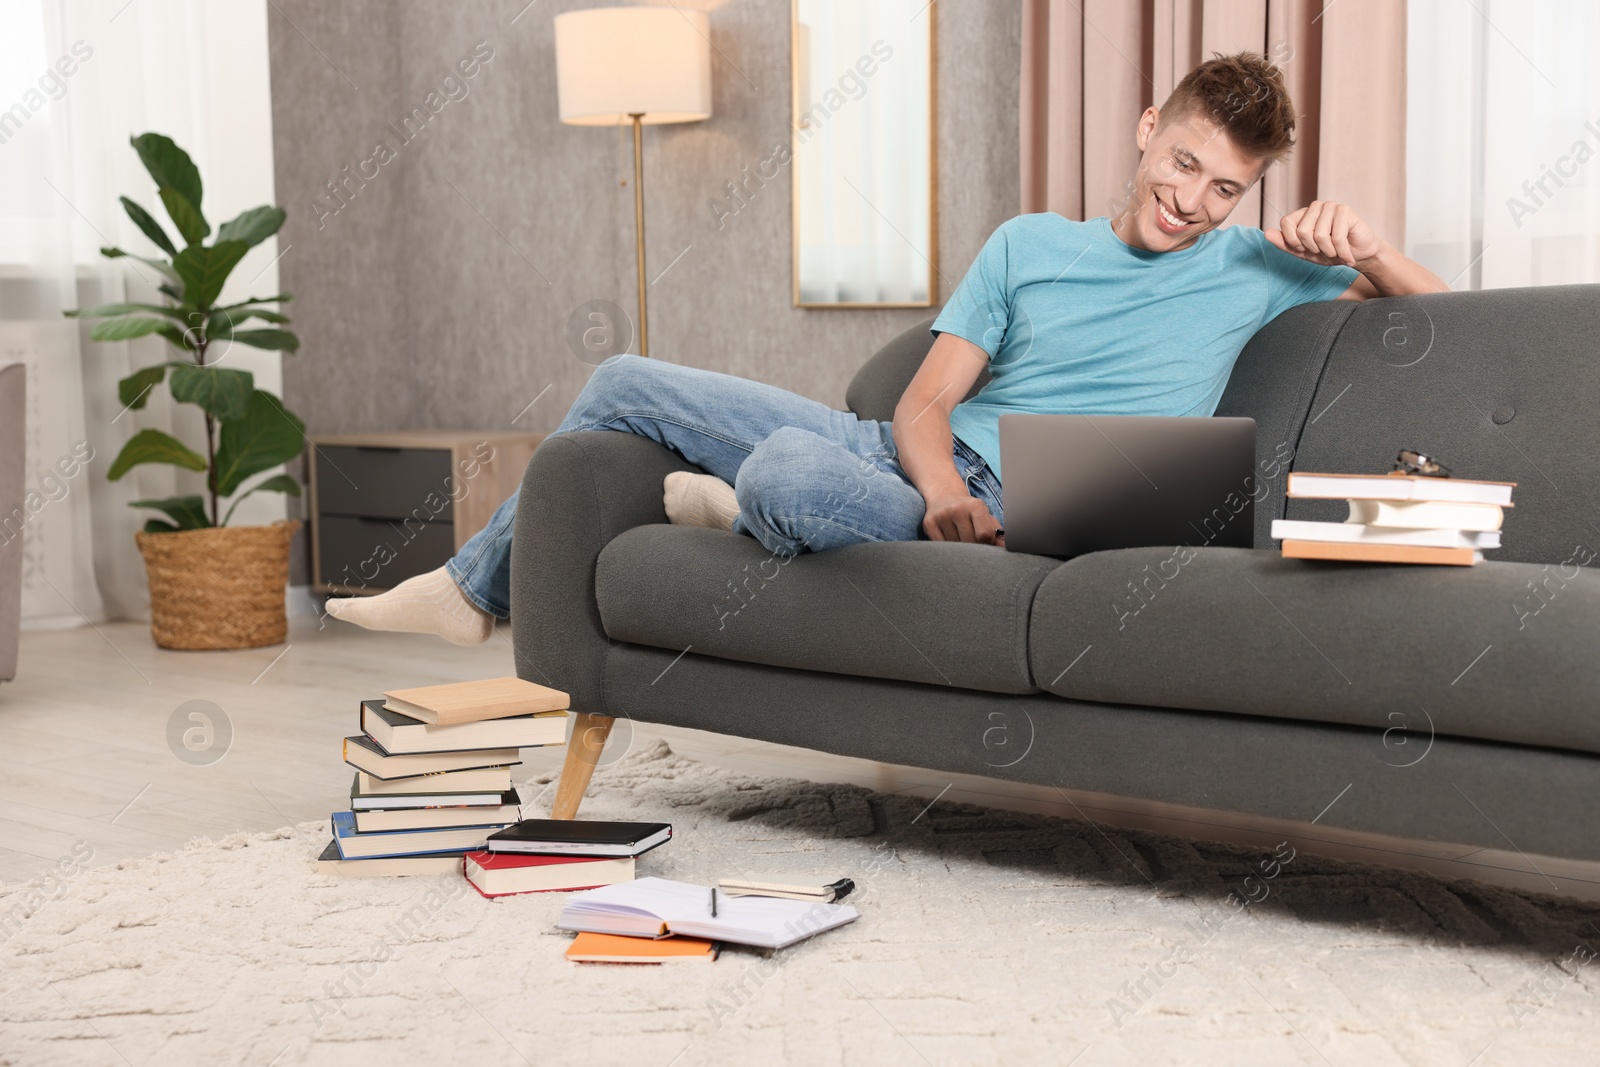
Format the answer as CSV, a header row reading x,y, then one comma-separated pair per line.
x,y
1397,518
433,773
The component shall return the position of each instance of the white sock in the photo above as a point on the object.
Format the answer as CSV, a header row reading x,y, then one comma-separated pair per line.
x,y
427,604
700,500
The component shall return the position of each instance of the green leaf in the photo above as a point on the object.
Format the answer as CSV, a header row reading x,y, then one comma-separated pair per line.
x,y
157,526
223,322
170,291
153,446
175,335
278,340
106,310
205,270
124,329
281,298
169,165
266,436
278,483
152,229
189,512
223,392
185,216
134,390
167,269
253,226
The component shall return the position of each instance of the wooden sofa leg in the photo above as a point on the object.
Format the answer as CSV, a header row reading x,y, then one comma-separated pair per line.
x,y
589,733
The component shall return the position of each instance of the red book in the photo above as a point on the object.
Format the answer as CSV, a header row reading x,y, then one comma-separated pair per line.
x,y
499,874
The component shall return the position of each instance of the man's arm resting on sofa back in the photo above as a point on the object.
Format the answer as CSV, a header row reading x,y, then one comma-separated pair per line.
x,y
1327,232
922,437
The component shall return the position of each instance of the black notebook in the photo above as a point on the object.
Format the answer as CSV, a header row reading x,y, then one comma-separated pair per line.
x,y
579,837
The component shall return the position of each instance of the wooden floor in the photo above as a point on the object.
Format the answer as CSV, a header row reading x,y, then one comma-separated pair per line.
x,y
85,755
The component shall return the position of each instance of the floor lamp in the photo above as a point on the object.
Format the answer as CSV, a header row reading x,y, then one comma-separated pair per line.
x,y
651,65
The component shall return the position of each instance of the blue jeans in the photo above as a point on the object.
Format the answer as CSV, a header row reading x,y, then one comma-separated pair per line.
x,y
807,477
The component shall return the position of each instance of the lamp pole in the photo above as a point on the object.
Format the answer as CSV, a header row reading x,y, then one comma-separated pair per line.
x,y
638,228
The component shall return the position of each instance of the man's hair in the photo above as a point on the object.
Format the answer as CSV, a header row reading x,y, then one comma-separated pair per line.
x,y
1244,94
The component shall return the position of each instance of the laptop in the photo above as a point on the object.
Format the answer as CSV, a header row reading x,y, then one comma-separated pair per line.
x,y
1086,483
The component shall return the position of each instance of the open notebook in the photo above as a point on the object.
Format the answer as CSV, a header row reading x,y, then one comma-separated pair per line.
x,y
657,907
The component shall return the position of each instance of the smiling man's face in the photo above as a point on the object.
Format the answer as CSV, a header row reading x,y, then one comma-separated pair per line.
x,y
1190,177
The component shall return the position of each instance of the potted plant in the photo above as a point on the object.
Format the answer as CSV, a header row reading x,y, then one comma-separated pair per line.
x,y
211,585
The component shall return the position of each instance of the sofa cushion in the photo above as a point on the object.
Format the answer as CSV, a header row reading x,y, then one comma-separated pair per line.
x,y
920,611
1500,651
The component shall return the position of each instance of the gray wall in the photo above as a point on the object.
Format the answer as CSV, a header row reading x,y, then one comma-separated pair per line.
x,y
439,292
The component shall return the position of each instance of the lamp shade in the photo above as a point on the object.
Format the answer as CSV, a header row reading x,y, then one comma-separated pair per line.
x,y
615,61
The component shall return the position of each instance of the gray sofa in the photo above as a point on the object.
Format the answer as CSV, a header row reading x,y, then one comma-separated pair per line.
x,y
1448,704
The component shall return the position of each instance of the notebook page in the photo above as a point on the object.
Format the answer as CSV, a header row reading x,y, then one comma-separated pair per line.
x,y
766,921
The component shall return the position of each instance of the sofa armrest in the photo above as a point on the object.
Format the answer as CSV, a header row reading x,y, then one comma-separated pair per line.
x,y
580,490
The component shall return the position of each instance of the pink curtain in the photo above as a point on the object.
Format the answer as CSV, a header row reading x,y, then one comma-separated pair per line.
x,y
1091,67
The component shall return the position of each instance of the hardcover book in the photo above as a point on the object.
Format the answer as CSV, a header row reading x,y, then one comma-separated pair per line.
x,y
496,874
354,844
1426,515
330,862
370,801
400,734
1305,484
580,837
494,816
459,702
609,948
1362,534
1328,550
365,754
473,780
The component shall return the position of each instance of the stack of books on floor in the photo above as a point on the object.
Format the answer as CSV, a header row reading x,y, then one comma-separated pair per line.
x,y
554,855
433,773
1397,518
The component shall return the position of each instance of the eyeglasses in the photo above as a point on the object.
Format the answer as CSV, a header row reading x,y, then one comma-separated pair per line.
x,y
1413,462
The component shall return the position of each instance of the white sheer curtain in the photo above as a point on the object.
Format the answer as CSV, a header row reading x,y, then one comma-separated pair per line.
x,y
870,243
1503,141
79,78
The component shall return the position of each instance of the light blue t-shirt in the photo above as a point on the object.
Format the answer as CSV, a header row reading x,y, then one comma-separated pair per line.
x,y
1076,321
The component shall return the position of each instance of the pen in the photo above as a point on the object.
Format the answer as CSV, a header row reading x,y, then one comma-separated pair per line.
x,y
713,902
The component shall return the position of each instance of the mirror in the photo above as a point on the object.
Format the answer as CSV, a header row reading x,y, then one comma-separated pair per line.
x,y
865,221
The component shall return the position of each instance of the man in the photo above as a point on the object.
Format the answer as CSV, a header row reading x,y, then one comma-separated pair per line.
x,y
1141,315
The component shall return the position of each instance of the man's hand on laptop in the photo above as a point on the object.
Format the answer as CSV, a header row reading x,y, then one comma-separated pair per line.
x,y
962,518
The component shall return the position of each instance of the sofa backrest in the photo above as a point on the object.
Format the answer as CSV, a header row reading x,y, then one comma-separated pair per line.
x,y
1274,381
1499,384
876,387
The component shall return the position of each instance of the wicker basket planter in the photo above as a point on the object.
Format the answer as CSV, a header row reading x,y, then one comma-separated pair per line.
x,y
220,587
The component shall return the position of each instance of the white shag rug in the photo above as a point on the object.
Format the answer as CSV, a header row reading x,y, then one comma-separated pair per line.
x,y
985,937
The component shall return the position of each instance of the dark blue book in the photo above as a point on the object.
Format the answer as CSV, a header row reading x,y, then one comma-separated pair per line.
x,y
355,845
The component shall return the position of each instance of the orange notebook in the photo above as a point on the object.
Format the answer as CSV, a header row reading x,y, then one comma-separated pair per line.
x,y
1360,553
492,698
613,948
